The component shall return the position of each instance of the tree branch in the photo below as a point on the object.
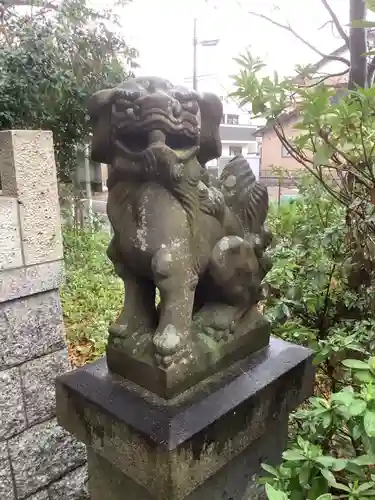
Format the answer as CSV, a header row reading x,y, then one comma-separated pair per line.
x,y
336,22
324,78
300,38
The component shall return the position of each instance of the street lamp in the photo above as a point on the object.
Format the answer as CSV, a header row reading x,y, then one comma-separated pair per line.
x,y
203,43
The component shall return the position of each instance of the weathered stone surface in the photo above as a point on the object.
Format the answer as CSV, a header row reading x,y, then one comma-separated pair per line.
x,y
6,485
41,495
28,172
202,244
237,480
10,238
71,487
12,412
29,328
134,359
173,447
24,281
38,381
41,455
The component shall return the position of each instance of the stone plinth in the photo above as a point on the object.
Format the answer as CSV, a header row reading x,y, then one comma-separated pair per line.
x,y
207,443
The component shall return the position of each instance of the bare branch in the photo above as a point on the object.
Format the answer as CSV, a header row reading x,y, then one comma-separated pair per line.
x,y
336,22
324,78
300,38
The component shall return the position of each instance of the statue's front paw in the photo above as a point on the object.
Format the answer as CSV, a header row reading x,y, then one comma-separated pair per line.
x,y
167,342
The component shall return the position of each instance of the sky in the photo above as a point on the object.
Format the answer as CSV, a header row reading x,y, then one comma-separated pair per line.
x,y
162,31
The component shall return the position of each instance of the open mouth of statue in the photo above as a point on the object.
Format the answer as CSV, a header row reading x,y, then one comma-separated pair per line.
x,y
137,143
135,135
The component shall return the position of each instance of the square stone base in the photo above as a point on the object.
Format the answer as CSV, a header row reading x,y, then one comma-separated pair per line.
x,y
133,356
144,447
237,480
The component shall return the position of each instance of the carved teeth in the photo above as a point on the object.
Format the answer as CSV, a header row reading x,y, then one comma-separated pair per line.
x,y
157,136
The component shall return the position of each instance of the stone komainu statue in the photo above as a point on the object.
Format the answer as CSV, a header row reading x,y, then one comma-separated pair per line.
x,y
199,241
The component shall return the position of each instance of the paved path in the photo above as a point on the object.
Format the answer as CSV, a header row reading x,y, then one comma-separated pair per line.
x,y
99,206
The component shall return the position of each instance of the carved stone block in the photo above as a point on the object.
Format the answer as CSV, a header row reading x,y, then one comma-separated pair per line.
x,y
167,449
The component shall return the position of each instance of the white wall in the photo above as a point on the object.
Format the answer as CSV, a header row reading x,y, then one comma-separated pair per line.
x,y
231,108
254,162
247,147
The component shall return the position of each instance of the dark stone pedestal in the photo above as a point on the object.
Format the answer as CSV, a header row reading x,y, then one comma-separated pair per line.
x,y
208,443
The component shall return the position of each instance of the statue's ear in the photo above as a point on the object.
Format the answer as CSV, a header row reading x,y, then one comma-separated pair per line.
x,y
99,110
211,109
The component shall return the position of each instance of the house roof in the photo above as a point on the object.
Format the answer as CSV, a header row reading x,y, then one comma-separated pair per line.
x,y
333,81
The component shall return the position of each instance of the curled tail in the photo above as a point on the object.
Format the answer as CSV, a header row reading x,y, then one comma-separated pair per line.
x,y
244,195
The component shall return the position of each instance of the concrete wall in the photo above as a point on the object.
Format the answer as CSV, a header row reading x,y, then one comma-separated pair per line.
x,y
38,459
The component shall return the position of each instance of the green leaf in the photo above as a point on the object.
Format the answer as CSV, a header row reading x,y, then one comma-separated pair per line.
x,y
304,475
361,23
364,460
365,487
357,407
274,494
344,397
370,4
355,364
336,464
325,496
293,455
369,423
364,376
342,487
322,155
329,476
271,470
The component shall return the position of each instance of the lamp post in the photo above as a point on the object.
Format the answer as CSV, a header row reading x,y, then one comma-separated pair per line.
x,y
203,43
195,44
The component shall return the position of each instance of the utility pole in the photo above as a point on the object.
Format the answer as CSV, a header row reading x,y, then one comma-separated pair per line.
x,y
195,45
204,43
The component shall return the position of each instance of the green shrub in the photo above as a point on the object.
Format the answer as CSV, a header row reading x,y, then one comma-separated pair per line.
x,y
311,298
92,295
314,300
333,455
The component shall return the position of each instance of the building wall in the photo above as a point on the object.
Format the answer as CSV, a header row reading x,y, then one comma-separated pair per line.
x,y
244,148
215,167
38,459
272,153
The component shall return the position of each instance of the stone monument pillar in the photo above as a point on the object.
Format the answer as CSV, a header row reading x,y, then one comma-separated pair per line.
x,y
38,459
193,394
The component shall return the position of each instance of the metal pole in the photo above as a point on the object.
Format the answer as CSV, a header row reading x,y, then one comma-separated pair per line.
x,y
88,183
195,45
